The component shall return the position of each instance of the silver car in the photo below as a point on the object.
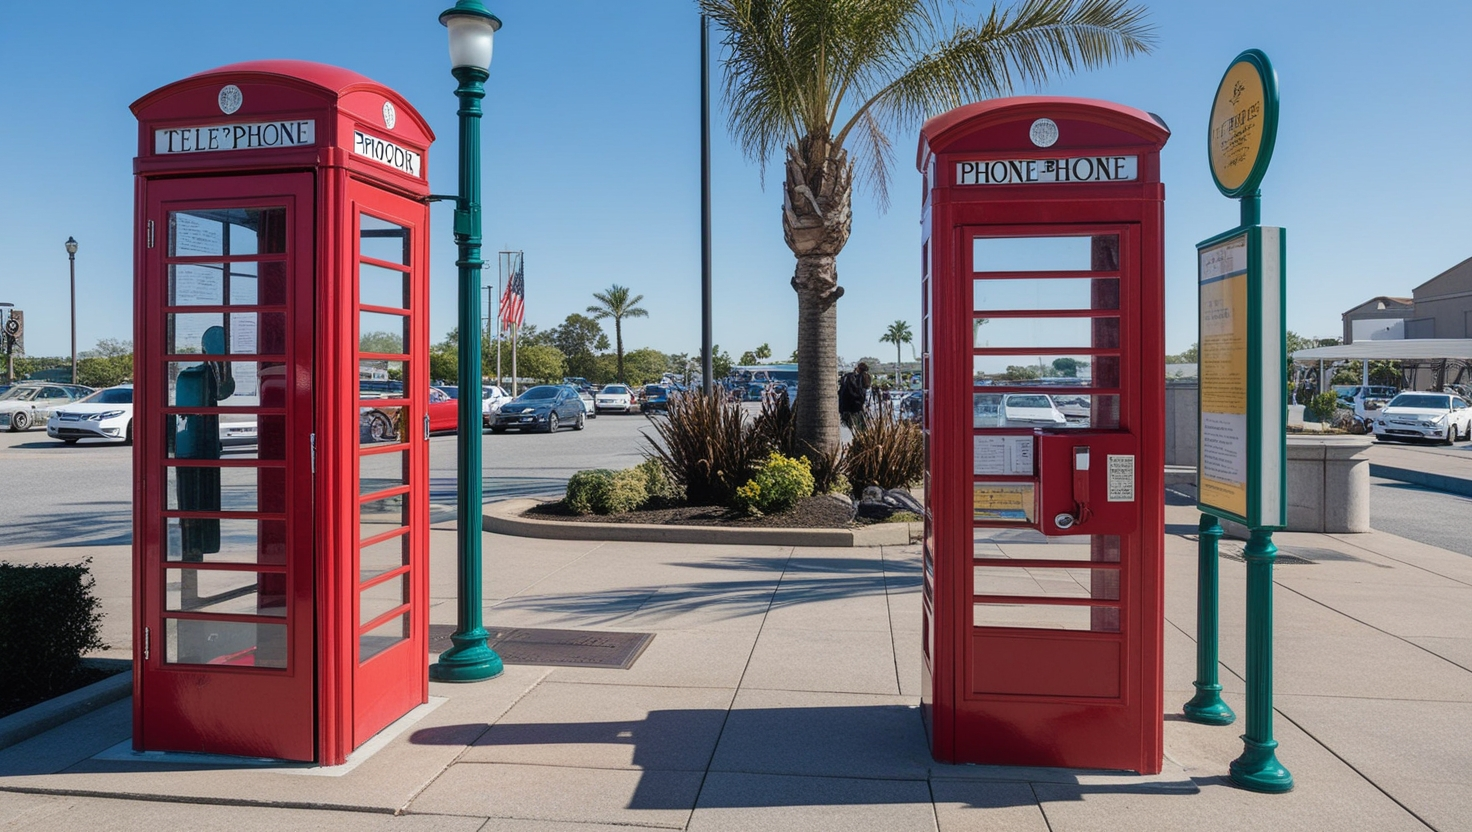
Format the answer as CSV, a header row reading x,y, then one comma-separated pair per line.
x,y
30,403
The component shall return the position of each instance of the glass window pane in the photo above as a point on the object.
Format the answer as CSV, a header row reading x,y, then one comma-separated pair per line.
x,y
381,424
382,637
380,472
236,643
1045,254
380,598
218,333
383,240
381,379
214,284
226,384
383,556
234,489
1046,370
384,333
1047,582
192,540
224,593
1019,294
378,516
1032,333
1030,544
378,286
210,436
227,231
1047,617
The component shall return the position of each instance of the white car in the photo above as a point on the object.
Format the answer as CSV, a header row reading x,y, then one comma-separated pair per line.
x,y
1015,410
105,414
590,407
491,399
1440,416
30,403
615,398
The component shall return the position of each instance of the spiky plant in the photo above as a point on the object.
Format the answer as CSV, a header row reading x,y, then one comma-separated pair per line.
x,y
706,447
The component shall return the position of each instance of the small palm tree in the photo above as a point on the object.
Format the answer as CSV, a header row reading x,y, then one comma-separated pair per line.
x,y
809,77
616,304
898,333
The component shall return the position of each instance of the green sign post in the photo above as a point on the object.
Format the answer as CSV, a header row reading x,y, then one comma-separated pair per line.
x,y
1243,383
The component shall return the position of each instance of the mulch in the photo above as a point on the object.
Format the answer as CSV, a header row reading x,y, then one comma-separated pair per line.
x,y
818,512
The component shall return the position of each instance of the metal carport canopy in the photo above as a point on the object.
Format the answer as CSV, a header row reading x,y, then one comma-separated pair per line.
x,y
1409,349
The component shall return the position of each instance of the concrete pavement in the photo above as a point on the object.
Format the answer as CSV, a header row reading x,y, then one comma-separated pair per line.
x,y
781,692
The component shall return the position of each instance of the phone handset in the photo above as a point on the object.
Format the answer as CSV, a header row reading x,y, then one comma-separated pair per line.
x,y
1081,512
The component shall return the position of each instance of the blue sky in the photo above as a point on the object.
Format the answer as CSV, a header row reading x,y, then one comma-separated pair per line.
x,y
592,166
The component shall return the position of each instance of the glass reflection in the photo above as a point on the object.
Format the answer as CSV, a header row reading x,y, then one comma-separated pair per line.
x,y
1046,254
227,232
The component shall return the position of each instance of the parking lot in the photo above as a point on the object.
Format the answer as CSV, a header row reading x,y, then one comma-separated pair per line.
x,y
58,494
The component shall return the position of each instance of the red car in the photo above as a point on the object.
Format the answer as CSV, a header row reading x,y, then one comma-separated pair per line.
x,y
444,412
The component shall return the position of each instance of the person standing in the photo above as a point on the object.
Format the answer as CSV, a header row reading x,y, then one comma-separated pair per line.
x,y
852,390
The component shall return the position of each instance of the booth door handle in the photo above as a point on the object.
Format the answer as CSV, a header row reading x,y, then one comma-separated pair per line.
x,y
426,427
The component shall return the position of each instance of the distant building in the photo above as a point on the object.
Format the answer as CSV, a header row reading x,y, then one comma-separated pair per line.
x,y
1443,305
1377,319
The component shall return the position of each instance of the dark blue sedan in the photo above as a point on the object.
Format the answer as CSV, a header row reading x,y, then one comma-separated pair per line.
x,y
656,397
544,408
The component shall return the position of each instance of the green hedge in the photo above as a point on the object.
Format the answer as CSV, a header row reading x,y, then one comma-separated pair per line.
x,y
601,491
48,620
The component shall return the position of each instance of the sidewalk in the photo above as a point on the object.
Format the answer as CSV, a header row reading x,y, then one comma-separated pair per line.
x,y
781,692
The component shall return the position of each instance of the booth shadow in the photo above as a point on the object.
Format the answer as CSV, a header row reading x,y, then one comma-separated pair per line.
x,y
842,755
801,580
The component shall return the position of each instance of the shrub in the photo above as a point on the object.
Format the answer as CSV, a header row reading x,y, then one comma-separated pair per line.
x,y
776,426
827,467
657,482
706,447
1321,407
48,619
582,486
601,491
886,451
777,486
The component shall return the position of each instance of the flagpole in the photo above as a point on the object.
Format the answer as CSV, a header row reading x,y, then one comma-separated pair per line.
x,y
500,322
515,379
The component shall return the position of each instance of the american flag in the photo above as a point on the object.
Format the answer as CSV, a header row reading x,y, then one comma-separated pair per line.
x,y
513,300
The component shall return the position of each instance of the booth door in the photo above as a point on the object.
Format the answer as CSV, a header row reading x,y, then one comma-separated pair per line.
x,y
224,434
390,592
1054,656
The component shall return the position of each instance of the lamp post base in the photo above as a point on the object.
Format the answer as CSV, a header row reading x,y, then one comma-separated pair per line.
x,y
1207,707
1258,769
470,660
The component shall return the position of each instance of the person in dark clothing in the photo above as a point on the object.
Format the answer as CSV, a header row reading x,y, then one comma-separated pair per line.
x,y
852,390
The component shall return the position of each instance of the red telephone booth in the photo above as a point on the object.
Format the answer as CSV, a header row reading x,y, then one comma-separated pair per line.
x,y
1043,337
281,510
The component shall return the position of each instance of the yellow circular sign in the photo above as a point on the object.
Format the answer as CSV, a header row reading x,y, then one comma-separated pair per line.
x,y
1243,124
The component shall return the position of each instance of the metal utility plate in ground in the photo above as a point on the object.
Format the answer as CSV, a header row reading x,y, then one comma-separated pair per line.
x,y
554,648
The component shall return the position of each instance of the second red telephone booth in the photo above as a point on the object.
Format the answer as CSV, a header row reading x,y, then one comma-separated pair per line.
x,y
281,378
1043,339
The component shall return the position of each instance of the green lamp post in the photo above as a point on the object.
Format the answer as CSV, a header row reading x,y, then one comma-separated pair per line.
x,y
472,30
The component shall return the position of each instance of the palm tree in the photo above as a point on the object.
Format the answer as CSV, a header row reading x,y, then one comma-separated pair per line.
x,y
616,304
806,75
898,333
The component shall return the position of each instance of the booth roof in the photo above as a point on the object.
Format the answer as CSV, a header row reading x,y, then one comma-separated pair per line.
x,y
1146,125
1409,349
326,76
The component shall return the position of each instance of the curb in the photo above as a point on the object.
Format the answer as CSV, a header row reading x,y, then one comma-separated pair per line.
x,y
40,718
505,518
1439,482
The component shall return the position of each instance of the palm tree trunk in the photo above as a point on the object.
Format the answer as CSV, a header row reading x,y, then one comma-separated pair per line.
x,y
817,352
618,337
